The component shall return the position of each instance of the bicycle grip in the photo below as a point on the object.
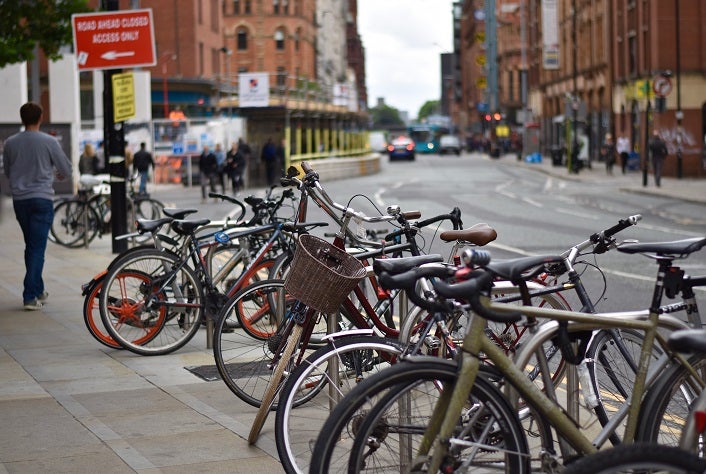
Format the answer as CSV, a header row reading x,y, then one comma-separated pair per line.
x,y
621,225
306,167
408,280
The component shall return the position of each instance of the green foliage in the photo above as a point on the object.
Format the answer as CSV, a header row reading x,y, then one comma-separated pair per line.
x,y
26,23
385,117
430,107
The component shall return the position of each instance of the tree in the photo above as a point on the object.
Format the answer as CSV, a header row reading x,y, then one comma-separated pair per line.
x,y
25,24
430,107
385,116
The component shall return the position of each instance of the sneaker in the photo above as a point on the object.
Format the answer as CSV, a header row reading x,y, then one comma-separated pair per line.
x,y
33,305
43,296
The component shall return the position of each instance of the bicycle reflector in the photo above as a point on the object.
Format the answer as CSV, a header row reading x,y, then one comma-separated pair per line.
x,y
700,419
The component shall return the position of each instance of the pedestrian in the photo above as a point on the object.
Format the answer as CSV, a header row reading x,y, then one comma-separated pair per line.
x,y
269,157
221,160
236,164
608,153
142,161
658,150
622,146
88,161
32,160
208,170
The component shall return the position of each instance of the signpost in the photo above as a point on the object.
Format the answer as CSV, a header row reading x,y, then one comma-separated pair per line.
x,y
113,40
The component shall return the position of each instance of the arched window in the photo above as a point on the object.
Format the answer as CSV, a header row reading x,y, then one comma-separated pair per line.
x,y
297,38
279,39
242,39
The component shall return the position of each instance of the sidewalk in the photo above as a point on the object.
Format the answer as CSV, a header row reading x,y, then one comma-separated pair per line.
x,y
686,189
69,404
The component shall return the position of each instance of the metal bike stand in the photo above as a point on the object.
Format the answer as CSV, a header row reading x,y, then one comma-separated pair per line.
x,y
209,333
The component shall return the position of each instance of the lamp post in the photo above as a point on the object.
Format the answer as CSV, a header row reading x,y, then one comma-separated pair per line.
x,y
679,113
165,92
229,91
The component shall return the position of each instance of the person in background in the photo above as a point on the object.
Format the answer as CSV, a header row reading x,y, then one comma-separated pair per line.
x,y
88,161
269,157
622,146
608,153
208,169
129,158
221,160
142,162
235,164
32,160
658,151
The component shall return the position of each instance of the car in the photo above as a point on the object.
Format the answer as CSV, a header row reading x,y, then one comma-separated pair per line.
x,y
449,144
401,148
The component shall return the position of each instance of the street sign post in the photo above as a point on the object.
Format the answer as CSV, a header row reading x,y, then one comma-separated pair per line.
x,y
114,40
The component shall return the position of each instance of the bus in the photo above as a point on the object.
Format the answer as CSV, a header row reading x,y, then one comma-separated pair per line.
x,y
426,136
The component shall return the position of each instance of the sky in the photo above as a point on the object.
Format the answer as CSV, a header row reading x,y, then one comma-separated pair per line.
x,y
403,40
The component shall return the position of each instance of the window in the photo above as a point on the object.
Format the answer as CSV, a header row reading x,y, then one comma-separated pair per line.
x,y
297,36
275,7
236,7
632,55
285,6
201,68
248,8
279,40
242,69
199,7
242,39
214,15
281,77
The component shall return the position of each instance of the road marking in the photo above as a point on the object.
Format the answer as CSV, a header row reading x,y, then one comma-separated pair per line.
x,y
532,202
572,212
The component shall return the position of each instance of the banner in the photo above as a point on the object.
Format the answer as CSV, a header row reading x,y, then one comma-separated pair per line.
x,y
254,89
550,35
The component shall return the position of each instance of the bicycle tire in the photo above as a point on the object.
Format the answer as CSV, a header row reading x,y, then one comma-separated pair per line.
x,y
242,361
147,208
144,294
303,402
611,376
667,404
74,223
92,316
346,422
643,458
284,362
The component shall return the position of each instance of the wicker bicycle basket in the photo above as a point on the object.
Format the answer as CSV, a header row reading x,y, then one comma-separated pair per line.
x,y
321,275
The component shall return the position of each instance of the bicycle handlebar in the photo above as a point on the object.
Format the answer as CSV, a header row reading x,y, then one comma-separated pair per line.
x,y
232,200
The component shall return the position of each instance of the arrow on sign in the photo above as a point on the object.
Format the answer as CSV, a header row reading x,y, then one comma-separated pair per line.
x,y
112,55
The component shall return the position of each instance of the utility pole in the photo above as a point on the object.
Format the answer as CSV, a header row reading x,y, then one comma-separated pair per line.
x,y
573,161
679,114
523,73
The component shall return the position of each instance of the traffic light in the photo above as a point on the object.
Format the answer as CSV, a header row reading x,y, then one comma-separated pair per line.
x,y
488,117
497,116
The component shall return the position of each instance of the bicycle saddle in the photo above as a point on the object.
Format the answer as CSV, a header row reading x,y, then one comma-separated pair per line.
x,y
396,266
188,227
150,225
676,249
688,340
177,212
479,234
521,268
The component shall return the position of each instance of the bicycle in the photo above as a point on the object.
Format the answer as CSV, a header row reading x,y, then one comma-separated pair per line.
x,y
79,219
643,458
448,444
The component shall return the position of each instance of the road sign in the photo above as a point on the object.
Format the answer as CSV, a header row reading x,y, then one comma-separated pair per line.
x,y
123,96
662,86
114,40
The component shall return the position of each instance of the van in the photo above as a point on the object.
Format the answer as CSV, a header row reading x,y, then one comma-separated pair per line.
x,y
378,142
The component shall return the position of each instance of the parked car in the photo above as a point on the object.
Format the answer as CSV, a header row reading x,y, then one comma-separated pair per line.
x,y
449,144
401,148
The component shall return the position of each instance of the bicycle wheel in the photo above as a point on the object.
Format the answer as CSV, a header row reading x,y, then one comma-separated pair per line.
x,y
317,385
643,458
242,360
74,224
384,436
92,315
285,362
147,208
150,304
666,405
612,361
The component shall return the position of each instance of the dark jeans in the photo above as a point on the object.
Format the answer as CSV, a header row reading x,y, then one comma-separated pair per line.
x,y
208,180
35,217
144,176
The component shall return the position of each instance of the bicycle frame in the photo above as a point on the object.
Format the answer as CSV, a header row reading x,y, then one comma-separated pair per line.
x,y
445,415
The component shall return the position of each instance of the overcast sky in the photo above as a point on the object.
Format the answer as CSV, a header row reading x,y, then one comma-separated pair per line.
x,y
403,40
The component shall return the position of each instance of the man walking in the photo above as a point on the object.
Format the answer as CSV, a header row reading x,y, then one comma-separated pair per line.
x,y
142,162
658,150
30,160
623,148
208,168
